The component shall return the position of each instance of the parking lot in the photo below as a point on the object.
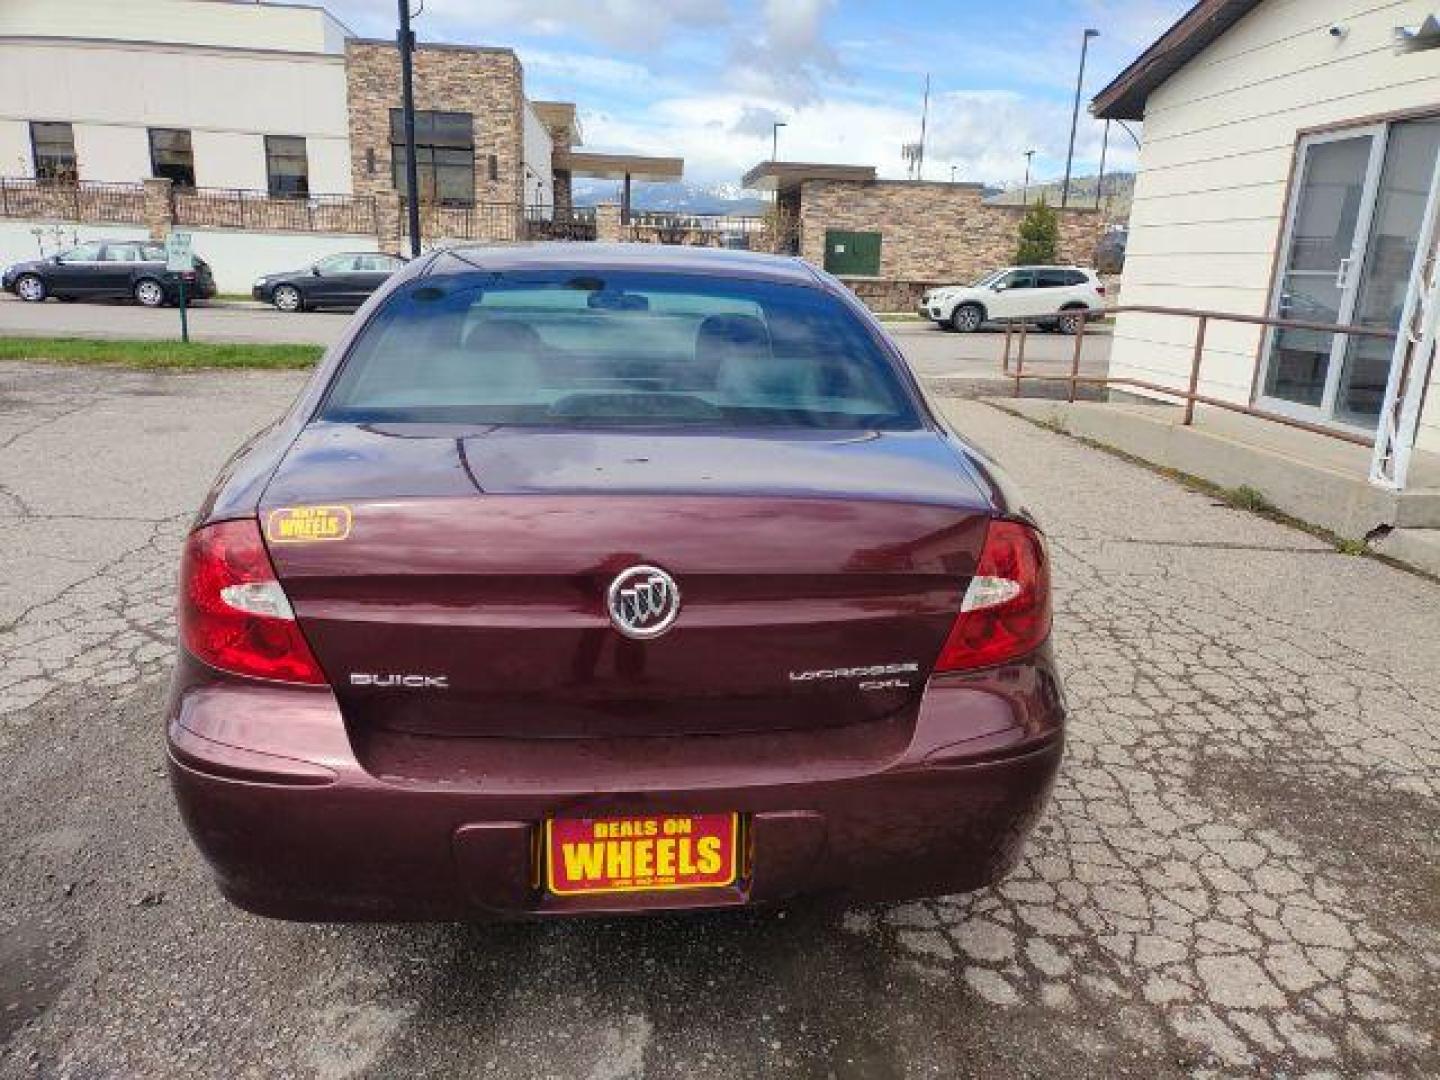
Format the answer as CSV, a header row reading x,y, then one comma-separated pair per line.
x,y
1237,875
933,352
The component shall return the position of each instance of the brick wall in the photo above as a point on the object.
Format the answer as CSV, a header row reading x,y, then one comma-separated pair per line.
x,y
487,83
931,231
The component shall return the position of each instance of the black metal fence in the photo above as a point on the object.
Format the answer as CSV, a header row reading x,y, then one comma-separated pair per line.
x,y
238,208
72,201
480,221
544,224
701,230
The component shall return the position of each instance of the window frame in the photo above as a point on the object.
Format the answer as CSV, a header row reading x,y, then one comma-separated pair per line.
x,y
430,148
189,153
275,155
37,155
66,259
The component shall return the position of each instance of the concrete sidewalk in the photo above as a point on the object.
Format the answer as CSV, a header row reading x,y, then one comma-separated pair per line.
x,y
1318,480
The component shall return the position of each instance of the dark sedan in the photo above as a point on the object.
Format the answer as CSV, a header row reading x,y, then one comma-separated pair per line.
x,y
335,281
108,270
610,578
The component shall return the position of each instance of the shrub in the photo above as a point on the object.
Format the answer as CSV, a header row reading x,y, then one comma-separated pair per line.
x,y
1039,235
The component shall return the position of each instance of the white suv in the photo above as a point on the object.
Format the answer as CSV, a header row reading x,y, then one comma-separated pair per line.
x,y
1019,292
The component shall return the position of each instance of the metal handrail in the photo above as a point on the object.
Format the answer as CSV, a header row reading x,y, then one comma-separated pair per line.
x,y
1191,395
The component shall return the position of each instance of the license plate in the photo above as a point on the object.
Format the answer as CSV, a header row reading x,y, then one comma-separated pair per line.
x,y
587,856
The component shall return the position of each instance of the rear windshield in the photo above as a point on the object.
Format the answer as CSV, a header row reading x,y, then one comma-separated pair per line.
x,y
623,349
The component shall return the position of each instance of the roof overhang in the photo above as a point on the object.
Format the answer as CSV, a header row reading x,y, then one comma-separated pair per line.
x,y
619,166
788,175
559,116
1196,30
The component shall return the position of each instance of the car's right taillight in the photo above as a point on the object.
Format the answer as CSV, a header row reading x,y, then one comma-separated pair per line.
x,y
1006,609
234,615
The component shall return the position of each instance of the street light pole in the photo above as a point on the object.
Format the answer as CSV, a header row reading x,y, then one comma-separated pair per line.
x,y
775,139
1025,190
406,41
1075,114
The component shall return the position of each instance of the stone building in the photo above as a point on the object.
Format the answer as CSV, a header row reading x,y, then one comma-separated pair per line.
x,y
891,239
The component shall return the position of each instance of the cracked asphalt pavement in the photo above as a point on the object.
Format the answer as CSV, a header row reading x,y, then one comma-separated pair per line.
x,y
1238,875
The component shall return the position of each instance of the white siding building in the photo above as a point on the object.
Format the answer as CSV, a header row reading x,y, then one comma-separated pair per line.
x,y
109,75
1289,152
276,143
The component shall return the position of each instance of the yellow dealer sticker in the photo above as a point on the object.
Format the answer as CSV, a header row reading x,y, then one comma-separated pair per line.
x,y
305,524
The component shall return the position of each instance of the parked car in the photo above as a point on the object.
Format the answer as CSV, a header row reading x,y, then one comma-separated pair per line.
x,y
1110,250
335,281
1018,292
107,270
579,582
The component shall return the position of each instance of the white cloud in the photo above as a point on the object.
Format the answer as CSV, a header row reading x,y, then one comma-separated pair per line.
x,y
787,57
629,25
984,134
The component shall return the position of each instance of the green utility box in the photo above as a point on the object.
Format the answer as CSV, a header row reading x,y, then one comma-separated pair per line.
x,y
852,254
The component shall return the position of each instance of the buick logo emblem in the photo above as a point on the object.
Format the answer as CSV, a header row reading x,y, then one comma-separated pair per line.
x,y
643,602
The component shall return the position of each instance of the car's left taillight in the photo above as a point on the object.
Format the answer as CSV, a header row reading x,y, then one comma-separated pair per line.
x,y
1005,612
233,614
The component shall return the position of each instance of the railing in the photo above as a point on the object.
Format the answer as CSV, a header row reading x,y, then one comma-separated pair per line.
x,y
72,200
722,223
701,230
577,224
238,208
479,221
1191,395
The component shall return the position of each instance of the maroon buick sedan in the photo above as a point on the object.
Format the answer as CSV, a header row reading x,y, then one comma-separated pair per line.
x,y
599,579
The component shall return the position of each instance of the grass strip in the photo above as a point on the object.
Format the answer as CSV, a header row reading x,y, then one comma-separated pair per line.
x,y
158,354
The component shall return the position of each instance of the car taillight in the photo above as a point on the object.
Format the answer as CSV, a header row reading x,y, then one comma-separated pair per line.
x,y
1006,610
233,613
1100,287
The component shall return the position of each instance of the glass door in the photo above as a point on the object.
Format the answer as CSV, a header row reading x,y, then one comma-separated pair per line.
x,y
1324,245
1350,246
1410,153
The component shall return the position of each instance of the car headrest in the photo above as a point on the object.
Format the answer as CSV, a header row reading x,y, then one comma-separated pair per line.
x,y
503,336
722,337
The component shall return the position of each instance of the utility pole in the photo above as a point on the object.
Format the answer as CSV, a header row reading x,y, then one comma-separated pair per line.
x,y
406,40
1025,190
924,122
1075,115
1100,180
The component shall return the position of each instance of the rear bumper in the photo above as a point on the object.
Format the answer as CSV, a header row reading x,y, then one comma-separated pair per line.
x,y
927,806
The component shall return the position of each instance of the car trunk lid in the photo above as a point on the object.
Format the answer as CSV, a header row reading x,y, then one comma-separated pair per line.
x,y
819,576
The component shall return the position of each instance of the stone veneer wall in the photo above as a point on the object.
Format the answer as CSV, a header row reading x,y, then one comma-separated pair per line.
x,y
487,83
931,232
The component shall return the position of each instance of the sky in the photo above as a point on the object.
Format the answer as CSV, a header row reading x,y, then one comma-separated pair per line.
x,y
705,79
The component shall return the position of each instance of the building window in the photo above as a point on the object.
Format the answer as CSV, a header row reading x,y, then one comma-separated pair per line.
x,y
444,156
53,146
171,157
286,165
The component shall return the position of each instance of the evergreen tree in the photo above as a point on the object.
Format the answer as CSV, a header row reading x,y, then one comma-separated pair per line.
x,y
1039,236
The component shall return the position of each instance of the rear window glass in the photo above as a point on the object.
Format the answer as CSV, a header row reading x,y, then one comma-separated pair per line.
x,y
574,348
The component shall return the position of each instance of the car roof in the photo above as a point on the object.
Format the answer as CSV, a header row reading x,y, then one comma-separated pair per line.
x,y
662,258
